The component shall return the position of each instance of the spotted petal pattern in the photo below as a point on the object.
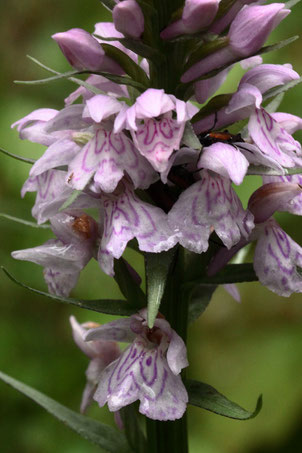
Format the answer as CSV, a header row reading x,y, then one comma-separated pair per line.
x,y
143,373
156,140
209,204
277,260
51,190
127,217
107,157
273,140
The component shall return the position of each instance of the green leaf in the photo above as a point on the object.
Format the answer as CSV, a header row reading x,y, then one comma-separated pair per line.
x,y
136,46
15,156
291,3
205,49
215,104
107,306
110,4
80,82
199,299
262,170
136,73
74,195
24,222
98,433
127,284
279,45
158,266
261,51
231,273
64,75
122,80
281,89
189,137
273,106
205,396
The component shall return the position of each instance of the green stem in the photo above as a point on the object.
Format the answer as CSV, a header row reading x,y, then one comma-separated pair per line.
x,y
172,436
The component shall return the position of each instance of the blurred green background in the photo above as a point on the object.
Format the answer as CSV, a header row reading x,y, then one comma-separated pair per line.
x,y
241,349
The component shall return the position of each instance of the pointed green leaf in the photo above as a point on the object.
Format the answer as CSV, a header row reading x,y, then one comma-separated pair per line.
x,y
130,289
74,195
158,266
122,80
279,45
281,89
216,103
80,82
15,156
110,4
291,3
189,137
64,75
136,46
205,396
273,106
205,49
107,306
199,299
231,273
24,222
136,73
261,51
98,433
262,170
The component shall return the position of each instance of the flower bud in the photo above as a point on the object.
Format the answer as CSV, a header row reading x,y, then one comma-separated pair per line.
x,y
80,49
128,18
247,34
270,198
196,15
252,25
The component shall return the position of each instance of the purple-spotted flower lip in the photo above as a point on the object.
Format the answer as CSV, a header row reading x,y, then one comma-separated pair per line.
x,y
148,370
207,205
125,217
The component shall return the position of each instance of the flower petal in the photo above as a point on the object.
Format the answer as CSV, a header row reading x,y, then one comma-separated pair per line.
x,y
276,261
61,152
156,140
209,204
126,217
293,206
143,373
226,160
273,140
108,156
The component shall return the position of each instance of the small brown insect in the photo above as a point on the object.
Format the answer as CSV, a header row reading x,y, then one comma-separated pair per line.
x,y
70,178
83,225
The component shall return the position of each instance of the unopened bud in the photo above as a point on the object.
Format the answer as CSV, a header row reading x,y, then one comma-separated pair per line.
x,y
128,18
196,15
80,49
270,198
252,26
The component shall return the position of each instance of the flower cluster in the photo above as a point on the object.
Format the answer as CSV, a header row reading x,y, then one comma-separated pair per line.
x,y
124,143
148,370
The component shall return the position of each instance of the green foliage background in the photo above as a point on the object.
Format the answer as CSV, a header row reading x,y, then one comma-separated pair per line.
x,y
242,350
